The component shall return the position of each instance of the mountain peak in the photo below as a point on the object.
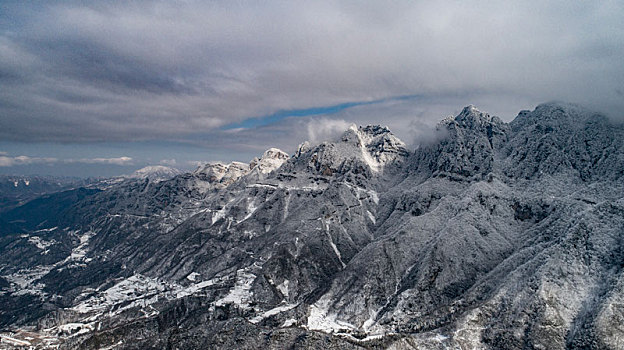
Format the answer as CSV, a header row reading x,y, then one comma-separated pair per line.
x,y
222,173
377,143
272,159
366,135
155,172
375,130
275,153
557,114
470,110
561,138
472,117
370,130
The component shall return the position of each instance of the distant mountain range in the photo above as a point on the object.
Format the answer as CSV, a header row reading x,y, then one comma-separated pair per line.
x,y
496,236
155,172
16,190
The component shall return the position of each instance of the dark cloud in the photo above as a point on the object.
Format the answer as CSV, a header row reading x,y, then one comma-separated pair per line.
x,y
114,71
90,63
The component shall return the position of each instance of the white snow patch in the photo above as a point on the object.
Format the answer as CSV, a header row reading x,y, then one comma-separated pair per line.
x,y
139,289
289,323
192,276
364,140
320,319
46,229
221,213
113,346
262,186
182,292
374,196
283,287
74,329
371,216
218,215
331,242
79,252
240,294
441,338
250,234
12,341
273,311
360,191
372,163
272,159
286,205
25,280
368,323
251,208
41,243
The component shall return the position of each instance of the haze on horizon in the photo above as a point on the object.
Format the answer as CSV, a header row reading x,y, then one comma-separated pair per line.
x,y
106,88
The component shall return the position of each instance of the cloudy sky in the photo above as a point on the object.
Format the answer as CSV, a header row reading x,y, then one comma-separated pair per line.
x,y
108,87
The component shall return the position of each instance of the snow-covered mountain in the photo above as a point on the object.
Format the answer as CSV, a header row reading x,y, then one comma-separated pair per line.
x,y
497,236
155,173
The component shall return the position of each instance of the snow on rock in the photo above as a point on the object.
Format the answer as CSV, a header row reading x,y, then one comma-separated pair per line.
x,y
134,288
360,150
192,276
41,243
75,329
222,175
180,292
283,288
272,312
289,323
371,217
25,281
240,294
80,251
6,339
271,160
218,175
321,318
155,173
377,145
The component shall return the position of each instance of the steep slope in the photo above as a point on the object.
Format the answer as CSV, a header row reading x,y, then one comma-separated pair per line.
x,y
485,258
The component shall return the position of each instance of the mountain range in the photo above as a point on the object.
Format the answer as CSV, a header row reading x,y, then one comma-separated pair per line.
x,y
494,235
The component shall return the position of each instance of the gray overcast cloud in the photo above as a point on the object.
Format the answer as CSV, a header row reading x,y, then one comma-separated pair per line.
x,y
127,71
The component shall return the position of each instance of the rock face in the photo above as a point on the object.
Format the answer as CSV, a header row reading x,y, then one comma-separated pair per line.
x,y
496,236
220,175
